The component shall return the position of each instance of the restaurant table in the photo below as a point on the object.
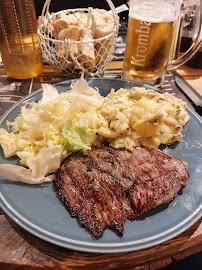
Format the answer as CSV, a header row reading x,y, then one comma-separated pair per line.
x,y
21,250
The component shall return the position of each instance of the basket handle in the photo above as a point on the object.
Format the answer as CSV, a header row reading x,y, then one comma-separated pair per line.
x,y
46,6
111,5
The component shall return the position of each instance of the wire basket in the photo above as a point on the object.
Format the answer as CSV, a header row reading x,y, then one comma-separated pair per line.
x,y
88,55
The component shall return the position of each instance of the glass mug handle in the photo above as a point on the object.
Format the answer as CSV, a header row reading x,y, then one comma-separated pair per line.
x,y
190,52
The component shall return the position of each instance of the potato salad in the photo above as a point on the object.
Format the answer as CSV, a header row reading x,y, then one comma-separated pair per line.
x,y
140,117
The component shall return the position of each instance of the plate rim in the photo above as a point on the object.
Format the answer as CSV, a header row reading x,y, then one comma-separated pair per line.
x,y
97,248
82,245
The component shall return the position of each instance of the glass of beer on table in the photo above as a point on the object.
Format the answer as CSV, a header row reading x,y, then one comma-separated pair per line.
x,y
152,29
19,43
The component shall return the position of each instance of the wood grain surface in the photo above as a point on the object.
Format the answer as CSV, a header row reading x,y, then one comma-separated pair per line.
x,y
20,250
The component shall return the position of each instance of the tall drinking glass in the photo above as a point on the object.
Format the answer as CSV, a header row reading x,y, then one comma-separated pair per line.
x,y
19,42
150,40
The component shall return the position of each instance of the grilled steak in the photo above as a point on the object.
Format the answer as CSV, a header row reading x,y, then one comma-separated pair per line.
x,y
105,186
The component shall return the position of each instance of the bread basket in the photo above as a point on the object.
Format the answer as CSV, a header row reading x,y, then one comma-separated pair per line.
x,y
90,55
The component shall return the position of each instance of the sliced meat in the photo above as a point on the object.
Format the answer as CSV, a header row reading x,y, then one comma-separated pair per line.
x,y
105,186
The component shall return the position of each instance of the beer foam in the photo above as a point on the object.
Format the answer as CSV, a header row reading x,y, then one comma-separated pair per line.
x,y
153,19
155,12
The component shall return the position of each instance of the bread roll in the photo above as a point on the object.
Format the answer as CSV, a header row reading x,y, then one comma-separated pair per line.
x,y
65,22
87,57
83,52
102,25
73,33
84,20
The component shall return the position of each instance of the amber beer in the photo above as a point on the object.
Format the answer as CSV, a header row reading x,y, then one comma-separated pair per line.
x,y
19,42
147,48
23,65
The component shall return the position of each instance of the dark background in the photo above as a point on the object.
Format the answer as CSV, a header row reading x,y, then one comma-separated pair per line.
x,y
57,5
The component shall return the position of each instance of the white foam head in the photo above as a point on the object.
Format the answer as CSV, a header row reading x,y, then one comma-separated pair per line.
x,y
155,10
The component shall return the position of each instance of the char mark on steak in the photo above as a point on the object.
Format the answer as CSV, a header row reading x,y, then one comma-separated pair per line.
x,y
105,186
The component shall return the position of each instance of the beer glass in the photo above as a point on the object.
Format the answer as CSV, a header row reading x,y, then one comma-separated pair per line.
x,y
151,33
19,42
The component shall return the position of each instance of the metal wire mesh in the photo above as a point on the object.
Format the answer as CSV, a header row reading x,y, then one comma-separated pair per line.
x,y
75,55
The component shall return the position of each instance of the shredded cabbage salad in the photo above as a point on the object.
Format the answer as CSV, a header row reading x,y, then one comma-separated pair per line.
x,y
45,133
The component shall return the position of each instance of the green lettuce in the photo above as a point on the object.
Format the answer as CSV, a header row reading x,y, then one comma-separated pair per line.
x,y
78,138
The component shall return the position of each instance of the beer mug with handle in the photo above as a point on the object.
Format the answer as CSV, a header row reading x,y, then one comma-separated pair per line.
x,y
151,32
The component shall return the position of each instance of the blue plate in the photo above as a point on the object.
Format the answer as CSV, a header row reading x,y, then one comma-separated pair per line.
x,y
39,210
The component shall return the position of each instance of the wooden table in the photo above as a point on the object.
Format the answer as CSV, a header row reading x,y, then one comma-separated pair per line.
x,y
21,250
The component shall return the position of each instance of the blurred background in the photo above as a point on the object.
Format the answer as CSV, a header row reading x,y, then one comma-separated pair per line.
x,y
59,5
